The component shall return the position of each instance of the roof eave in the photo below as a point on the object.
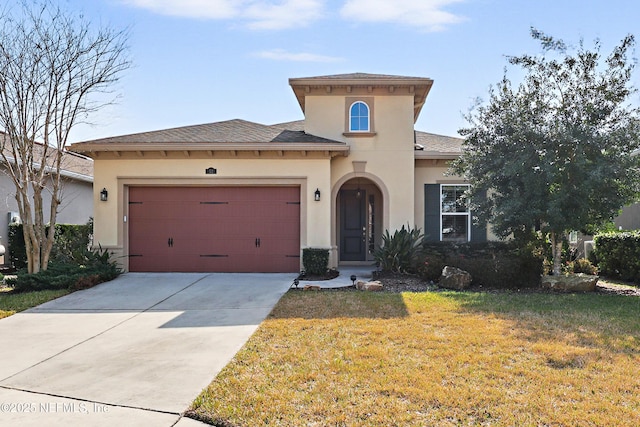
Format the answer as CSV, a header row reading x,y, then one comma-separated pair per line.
x,y
436,155
89,148
420,86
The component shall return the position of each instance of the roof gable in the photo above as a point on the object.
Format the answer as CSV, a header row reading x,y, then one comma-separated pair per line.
x,y
344,84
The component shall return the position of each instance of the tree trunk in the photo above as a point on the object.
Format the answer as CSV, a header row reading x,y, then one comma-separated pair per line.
x,y
556,251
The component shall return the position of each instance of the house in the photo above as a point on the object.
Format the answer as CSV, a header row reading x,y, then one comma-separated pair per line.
x,y
238,196
76,194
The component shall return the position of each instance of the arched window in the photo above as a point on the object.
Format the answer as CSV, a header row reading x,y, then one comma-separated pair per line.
x,y
359,117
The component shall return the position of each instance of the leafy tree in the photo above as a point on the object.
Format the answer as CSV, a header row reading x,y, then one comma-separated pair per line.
x,y
54,71
555,152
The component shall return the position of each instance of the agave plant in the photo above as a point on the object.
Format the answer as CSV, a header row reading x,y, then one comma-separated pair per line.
x,y
399,252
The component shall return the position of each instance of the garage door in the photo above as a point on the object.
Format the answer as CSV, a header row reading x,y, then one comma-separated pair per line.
x,y
214,229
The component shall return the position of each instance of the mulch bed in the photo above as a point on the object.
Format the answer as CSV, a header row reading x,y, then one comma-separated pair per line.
x,y
396,283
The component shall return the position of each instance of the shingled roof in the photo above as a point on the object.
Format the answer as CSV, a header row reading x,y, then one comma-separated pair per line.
x,y
438,145
73,165
434,145
230,131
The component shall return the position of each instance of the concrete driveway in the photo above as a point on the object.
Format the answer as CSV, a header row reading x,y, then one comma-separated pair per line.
x,y
135,351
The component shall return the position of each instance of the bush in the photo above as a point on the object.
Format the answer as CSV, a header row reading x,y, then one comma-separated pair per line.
x,y
400,252
581,265
71,243
491,264
17,249
315,261
96,267
618,255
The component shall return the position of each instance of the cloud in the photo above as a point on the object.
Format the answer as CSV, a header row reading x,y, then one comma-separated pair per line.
x,y
285,14
283,55
202,9
256,14
425,14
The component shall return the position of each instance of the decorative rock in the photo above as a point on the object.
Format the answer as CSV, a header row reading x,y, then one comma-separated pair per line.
x,y
454,278
369,286
311,288
570,283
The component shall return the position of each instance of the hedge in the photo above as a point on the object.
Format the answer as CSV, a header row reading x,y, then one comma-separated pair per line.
x,y
617,254
491,264
71,243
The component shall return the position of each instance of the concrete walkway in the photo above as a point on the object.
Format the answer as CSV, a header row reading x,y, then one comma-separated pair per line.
x,y
135,351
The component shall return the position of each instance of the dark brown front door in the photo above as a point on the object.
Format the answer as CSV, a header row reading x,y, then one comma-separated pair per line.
x,y
353,225
214,229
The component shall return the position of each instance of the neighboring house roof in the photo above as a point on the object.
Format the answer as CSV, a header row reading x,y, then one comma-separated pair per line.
x,y
438,146
226,135
419,87
74,165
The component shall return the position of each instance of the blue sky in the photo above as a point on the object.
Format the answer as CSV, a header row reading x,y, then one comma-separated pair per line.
x,y
202,61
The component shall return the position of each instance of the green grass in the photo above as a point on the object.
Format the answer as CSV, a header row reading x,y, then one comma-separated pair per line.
x,y
446,359
11,303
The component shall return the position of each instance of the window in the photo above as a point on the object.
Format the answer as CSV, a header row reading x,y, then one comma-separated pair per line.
x,y
455,218
359,117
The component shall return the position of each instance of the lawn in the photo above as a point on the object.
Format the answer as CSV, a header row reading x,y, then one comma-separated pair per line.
x,y
435,358
11,303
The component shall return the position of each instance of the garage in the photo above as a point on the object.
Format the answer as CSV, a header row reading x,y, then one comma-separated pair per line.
x,y
214,229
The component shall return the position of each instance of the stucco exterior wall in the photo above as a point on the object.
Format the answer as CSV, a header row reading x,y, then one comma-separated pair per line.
x,y
386,157
629,218
307,173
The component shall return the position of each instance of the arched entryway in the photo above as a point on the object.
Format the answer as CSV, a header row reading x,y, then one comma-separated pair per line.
x,y
359,218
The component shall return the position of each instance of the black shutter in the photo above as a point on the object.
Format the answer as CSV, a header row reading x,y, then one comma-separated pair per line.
x,y
432,212
479,231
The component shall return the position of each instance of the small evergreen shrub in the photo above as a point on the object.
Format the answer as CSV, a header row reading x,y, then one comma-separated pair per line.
x,y
315,261
17,250
97,267
581,265
400,252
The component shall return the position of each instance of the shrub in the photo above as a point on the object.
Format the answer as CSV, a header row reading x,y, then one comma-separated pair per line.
x,y
618,254
70,246
96,267
315,261
17,249
400,252
581,265
491,264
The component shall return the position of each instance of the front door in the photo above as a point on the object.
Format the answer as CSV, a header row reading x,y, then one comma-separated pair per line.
x,y
353,225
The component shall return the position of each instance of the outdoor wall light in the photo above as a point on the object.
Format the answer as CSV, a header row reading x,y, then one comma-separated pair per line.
x,y
353,278
104,195
316,195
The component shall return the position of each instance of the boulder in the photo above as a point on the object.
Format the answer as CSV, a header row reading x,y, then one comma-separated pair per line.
x,y
369,286
570,283
454,278
311,288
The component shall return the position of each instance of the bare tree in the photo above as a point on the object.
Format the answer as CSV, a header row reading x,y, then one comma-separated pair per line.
x,y
54,71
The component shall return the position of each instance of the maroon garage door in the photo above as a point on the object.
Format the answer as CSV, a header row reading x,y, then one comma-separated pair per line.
x,y
214,229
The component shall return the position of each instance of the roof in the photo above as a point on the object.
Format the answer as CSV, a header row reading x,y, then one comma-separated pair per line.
x,y
236,131
418,87
438,146
435,146
74,165
233,134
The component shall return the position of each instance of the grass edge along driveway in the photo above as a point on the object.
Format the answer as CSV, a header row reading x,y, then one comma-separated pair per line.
x,y
434,358
11,303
